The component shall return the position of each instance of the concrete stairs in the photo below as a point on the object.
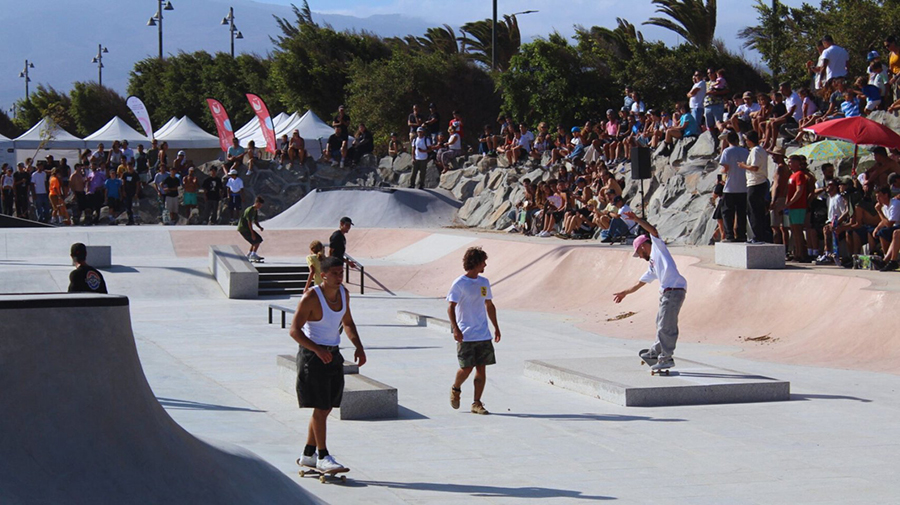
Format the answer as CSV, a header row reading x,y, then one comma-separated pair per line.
x,y
281,279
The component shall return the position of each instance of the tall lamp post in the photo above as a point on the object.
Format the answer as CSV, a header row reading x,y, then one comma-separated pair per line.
x,y
99,61
157,20
494,34
235,33
24,74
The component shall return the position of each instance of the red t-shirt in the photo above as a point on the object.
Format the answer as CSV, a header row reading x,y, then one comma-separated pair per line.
x,y
798,180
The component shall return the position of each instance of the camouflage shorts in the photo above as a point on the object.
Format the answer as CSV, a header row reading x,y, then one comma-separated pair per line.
x,y
471,354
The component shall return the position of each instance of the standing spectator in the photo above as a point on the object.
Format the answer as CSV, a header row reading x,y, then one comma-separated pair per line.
x,y
96,191
470,306
113,190
21,184
757,167
235,187
834,60
163,155
250,217
628,101
838,214
39,195
818,82
59,213
457,123
734,207
181,163
234,157
158,179
363,144
395,147
342,121
140,164
778,210
152,158
890,43
422,148
433,122
696,96
337,243
65,171
213,188
797,203
131,184
714,101
314,262
127,152
414,121
335,148
85,278
191,186
115,157
7,183
77,184
672,291
100,156
170,187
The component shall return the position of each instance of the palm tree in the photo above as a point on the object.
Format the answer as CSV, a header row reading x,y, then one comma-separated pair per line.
x,y
695,20
479,46
617,41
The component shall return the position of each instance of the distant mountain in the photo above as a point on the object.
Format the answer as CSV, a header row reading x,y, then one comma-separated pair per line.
x,y
62,37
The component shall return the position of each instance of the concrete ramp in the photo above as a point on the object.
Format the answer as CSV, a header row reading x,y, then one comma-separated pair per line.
x,y
371,208
80,424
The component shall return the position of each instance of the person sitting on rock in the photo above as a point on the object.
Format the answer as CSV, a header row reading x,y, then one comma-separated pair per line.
x,y
363,144
395,147
451,150
687,127
297,148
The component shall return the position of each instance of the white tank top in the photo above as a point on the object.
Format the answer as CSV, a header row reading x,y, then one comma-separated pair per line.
x,y
325,330
456,145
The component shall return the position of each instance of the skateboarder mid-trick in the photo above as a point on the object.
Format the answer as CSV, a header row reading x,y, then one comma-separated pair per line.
x,y
249,218
469,310
320,366
672,289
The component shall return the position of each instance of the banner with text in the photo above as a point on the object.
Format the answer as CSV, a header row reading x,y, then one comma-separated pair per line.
x,y
265,120
223,124
140,112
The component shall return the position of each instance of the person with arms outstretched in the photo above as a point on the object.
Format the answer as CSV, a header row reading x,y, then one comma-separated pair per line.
x,y
672,290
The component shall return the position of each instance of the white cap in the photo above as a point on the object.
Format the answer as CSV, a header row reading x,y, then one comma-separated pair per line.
x,y
182,153
232,172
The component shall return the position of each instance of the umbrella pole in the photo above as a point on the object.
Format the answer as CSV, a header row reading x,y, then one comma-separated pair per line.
x,y
855,153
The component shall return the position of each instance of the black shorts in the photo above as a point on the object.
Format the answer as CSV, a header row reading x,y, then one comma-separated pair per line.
x,y
717,213
114,204
320,386
558,216
249,237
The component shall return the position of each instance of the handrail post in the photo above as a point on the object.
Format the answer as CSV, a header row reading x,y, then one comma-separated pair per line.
x,y
362,280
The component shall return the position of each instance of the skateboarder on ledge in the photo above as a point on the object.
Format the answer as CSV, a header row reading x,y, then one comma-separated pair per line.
x,y
672,290
245,228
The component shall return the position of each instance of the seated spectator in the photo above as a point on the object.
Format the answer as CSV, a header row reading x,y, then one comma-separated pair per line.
x,y
889,212
741,120
577,148
234,158
838,216
335,148
252,156
541,145
555,210
877,176
524,143
687,127
508,144
281,149
850,105
759,117
451,150
894,183
363,144
619,224
297,148
487,142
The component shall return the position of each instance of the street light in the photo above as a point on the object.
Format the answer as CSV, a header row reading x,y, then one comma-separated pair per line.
x,y
99,61
494,34
157,20
235,33
24,74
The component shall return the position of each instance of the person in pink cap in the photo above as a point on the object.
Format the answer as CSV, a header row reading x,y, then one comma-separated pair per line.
x,y
672,290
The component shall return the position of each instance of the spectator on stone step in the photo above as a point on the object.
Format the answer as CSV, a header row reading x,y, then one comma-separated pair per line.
x,y
297,148
395,147
214,189
734,208
757,167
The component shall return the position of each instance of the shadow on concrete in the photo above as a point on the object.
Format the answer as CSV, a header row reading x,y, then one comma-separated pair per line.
x,y
721,375
403,348
173,404
403,414
808,397
378,283
387,326
184,270
481,491
120,269
589,417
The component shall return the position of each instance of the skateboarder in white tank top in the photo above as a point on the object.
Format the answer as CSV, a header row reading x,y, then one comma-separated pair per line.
x,y
320,366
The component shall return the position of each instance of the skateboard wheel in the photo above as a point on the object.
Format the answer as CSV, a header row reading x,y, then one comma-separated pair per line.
x,y
303,473
322,478
343,478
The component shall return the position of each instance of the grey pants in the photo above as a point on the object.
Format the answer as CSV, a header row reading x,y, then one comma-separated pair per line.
x,y
667,323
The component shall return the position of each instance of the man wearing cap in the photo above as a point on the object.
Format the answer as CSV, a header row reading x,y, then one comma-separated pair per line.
x,y
235,191
672,290
342,121
337,243
757,167
740,120
85,278
779,192
422,147
414,121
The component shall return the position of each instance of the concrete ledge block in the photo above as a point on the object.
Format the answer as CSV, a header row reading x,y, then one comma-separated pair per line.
x,y
287,371
366,398
422,320
623,381
99,256
750,256
235,275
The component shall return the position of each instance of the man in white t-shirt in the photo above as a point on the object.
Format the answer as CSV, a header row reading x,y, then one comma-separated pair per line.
x,y
235,187
672,290
696,96
834,60
620,225
421,148
741,120
470,307
39,194
757,167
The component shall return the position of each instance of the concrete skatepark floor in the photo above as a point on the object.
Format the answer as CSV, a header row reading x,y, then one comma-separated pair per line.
x,y
211,364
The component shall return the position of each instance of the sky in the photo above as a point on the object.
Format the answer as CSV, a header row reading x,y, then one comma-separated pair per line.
x,y
61,36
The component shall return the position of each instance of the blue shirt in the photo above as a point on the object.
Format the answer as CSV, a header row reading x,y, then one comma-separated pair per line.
x,y
689,122
236,151
736,181
850,108
112,187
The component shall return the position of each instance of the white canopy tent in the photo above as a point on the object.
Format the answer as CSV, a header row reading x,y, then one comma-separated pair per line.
x,y
117,129
7,151
185,135
165,127
313,130
56,142
252,130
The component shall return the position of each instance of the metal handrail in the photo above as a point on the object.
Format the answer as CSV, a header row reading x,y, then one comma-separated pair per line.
x,y
362,272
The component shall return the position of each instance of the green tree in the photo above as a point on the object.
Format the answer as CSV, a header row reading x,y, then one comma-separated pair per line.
x,y
478,41
381,93
311,63
694,20
770,38
92,106
45,101
7,128
549,80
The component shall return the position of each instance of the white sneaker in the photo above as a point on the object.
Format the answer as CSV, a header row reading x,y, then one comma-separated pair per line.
x,y
309,460
327,464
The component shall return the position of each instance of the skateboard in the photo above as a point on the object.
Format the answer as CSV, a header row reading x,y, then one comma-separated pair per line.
x,y
651,362
311,470
261,260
